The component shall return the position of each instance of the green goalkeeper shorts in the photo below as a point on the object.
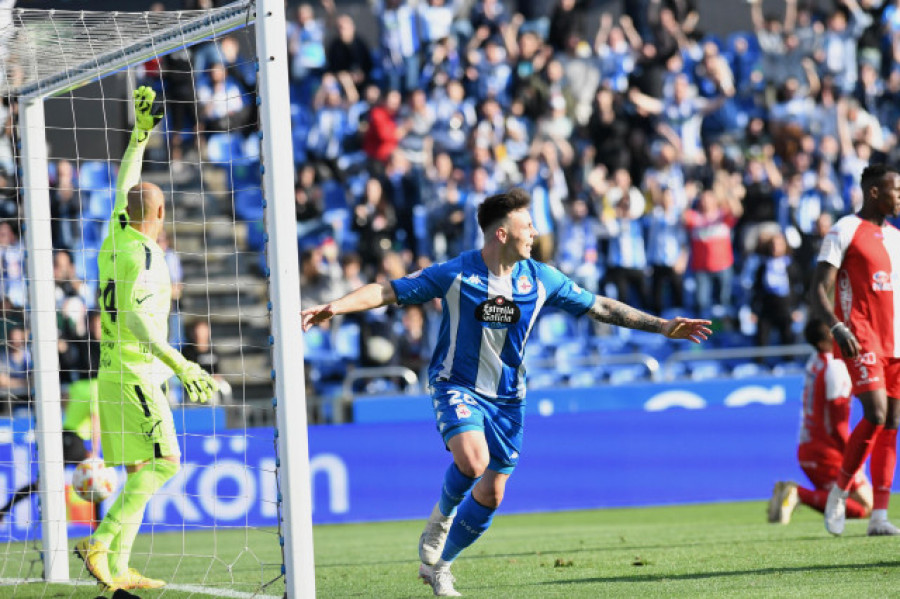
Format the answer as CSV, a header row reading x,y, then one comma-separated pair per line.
x,y
136,423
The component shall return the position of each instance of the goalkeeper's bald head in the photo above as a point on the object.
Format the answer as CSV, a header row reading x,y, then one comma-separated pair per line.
x,y
146,208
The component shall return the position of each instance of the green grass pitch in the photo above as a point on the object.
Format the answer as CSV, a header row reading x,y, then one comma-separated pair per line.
x,y
719,550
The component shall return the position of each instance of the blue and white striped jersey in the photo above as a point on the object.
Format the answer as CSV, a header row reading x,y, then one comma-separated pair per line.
x,y
487,319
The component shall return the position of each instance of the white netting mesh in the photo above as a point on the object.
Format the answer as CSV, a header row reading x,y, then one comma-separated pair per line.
x,y
61,49
214,528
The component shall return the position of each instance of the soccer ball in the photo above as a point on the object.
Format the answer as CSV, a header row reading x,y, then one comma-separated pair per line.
x,y
94,482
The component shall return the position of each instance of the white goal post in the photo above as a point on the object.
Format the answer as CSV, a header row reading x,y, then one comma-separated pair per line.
x,y
41,78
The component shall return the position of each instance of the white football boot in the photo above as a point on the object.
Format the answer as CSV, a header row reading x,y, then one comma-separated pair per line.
x,y
440,579
431,543
836,510
787,501
774,502
881,527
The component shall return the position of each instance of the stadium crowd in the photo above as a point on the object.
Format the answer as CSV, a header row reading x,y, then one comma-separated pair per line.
x,y
678,171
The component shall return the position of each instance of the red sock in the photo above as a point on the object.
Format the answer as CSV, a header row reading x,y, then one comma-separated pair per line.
x,y
884,459
816,500
855,509
859,446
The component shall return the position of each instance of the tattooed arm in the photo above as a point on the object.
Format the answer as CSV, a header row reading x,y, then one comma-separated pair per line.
x,y
614,312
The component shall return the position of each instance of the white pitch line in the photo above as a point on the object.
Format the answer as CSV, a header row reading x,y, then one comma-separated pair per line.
x,y
184,588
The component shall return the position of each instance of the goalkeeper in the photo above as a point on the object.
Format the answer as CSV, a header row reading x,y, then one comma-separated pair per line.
x,y
137,429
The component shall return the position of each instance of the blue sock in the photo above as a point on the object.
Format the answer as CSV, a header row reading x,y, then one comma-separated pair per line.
x,y
470,523
456,485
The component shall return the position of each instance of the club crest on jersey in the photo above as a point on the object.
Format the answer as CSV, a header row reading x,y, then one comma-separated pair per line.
x,y
882,281
463,411
523,285
498,312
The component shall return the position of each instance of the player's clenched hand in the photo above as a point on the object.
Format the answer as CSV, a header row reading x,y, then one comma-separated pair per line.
x,y
315,315
146,115
846,340
687,328
198,384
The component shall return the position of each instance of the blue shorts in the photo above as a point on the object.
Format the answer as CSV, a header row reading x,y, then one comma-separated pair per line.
x,y
458,409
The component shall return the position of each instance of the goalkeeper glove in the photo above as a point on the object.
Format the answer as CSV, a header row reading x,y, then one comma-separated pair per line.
x,y
146,113
198,384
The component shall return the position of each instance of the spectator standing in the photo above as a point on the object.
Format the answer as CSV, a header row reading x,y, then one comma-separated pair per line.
x,y
306,49
349,53
627,257
12,265
384,131
712,253
774,299
221,104
400,43
578,255
667,252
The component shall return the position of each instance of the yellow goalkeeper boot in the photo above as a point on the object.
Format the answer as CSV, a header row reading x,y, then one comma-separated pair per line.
x,y
95,554
132,579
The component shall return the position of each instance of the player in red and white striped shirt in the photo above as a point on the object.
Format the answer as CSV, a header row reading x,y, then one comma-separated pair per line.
x,y
853,292
824,429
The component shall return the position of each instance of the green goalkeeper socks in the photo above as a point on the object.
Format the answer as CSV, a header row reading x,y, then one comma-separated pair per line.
x,y
121,524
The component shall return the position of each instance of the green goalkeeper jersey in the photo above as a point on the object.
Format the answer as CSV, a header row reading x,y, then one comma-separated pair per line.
x,y
82,403
134,277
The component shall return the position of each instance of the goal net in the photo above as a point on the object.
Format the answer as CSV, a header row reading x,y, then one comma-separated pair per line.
x,y
235,520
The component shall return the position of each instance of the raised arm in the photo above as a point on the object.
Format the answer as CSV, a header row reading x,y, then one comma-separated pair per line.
x,y
645,104
603,31
611,311
367,297
820,302
756,15
790,15
145,118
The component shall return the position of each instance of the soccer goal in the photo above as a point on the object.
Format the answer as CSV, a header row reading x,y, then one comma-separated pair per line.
x,y
235,521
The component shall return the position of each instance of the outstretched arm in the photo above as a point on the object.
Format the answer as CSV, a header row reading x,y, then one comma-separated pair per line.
x,y
130,169
615,312
367,297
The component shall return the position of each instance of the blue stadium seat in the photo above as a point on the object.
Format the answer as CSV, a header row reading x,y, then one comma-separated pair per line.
x,y
256,239
340,223
674,370
319,355
223,148
705,369
748,369
248,204
623,374
99,204
555,328
586,377
346,341
544,378
567,354
610,345
730,339
301,122
333,195
95,175
652,344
